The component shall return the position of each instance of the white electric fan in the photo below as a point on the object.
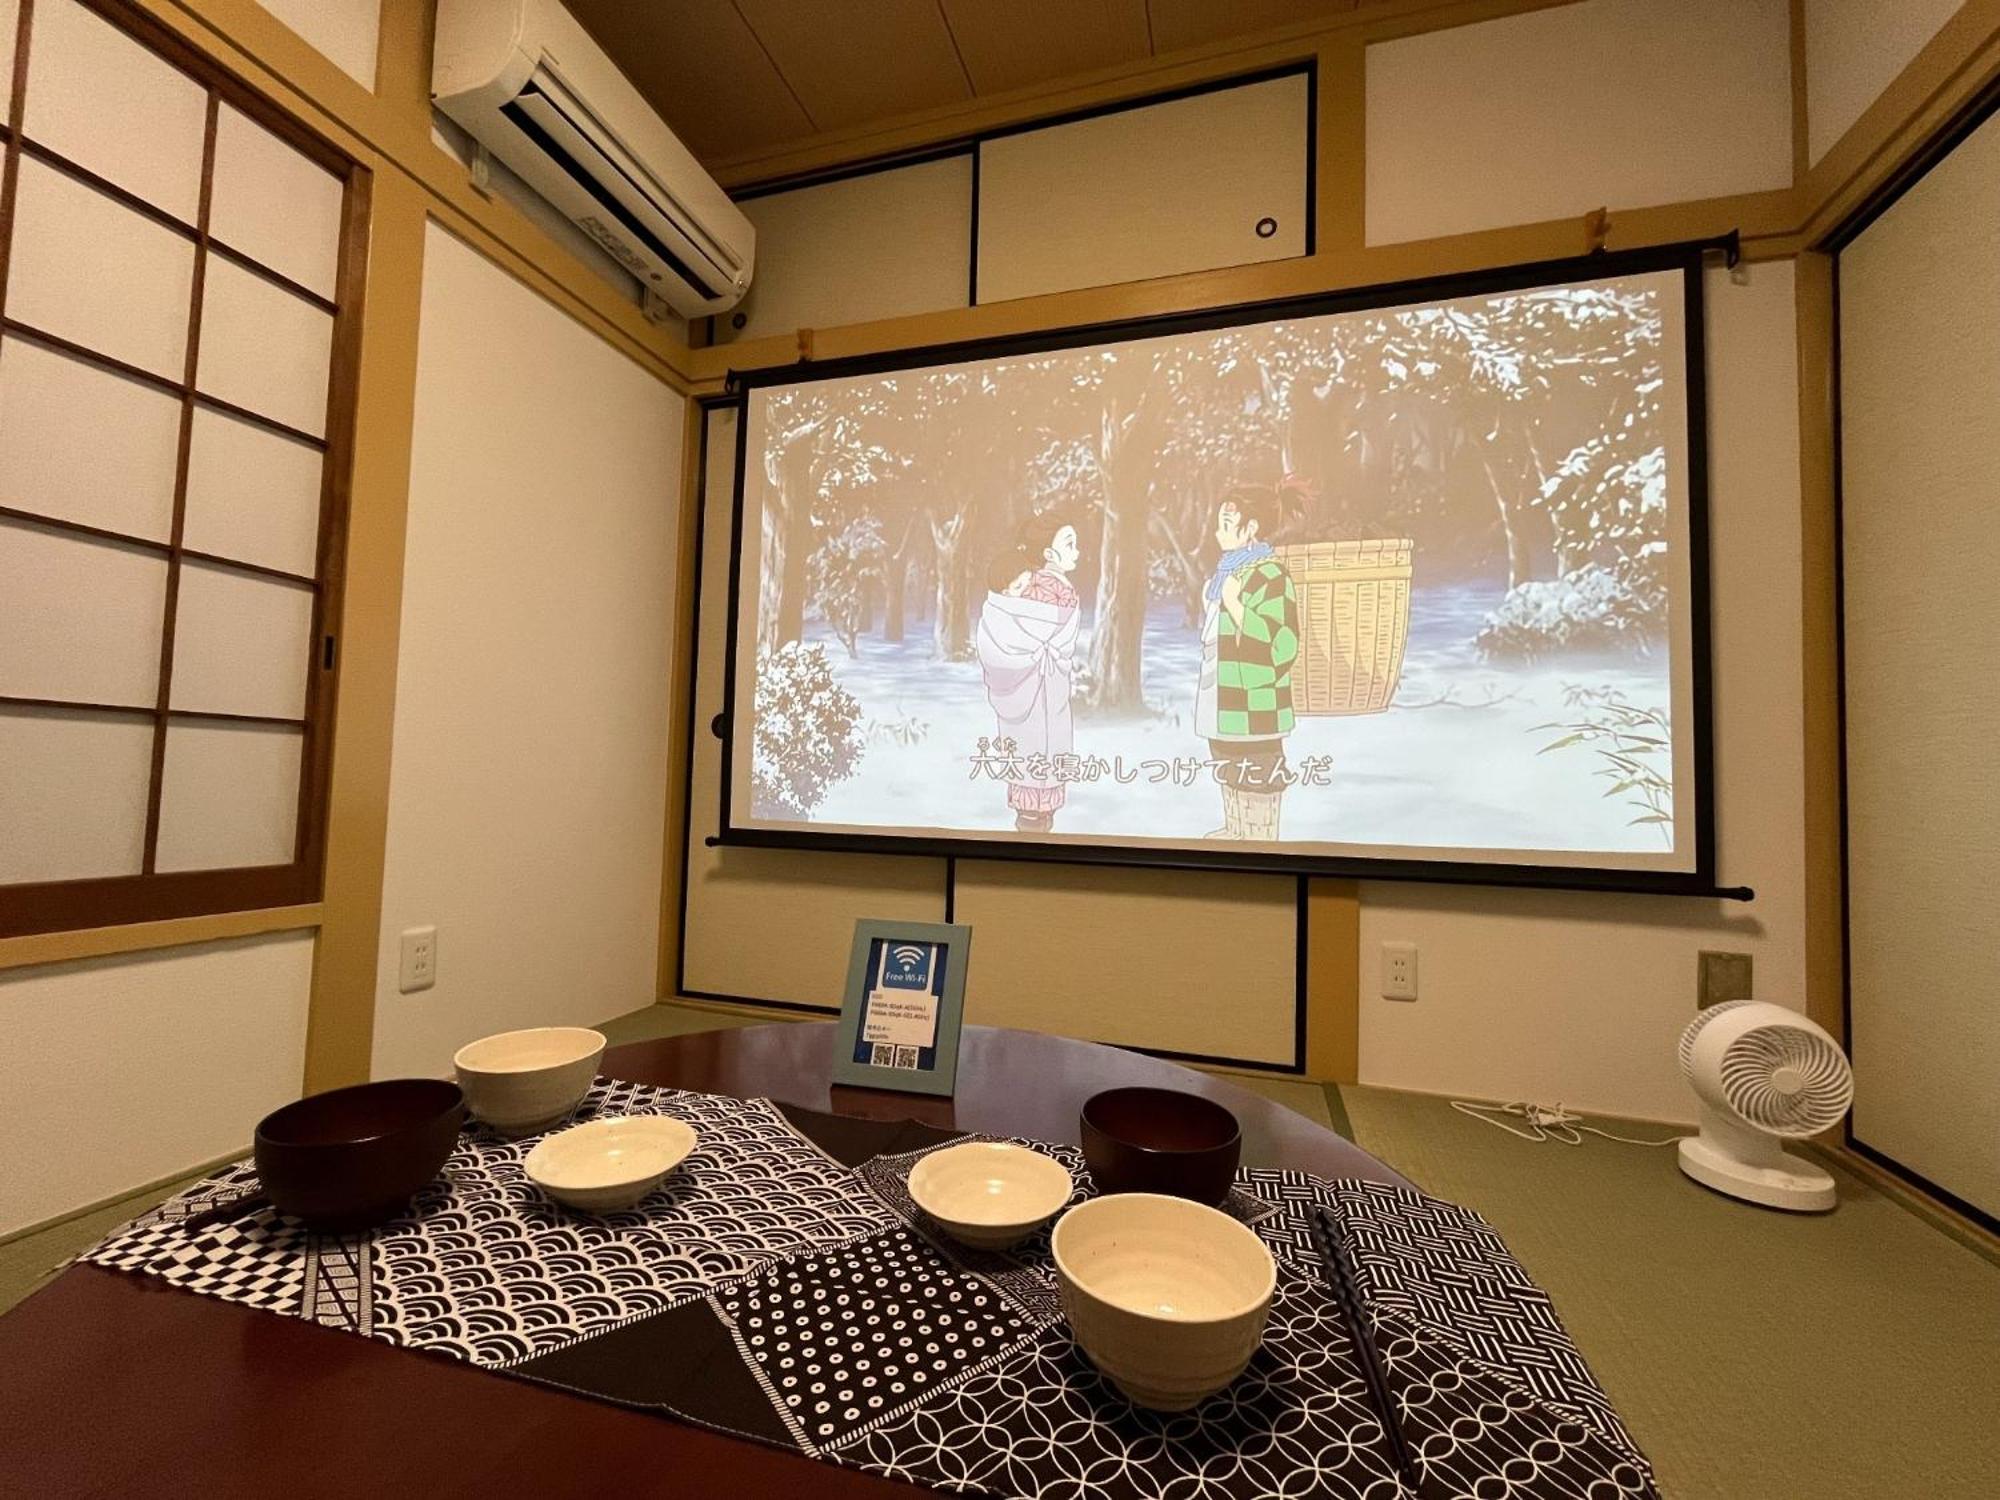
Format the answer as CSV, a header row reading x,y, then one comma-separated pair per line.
x,y
1765,1075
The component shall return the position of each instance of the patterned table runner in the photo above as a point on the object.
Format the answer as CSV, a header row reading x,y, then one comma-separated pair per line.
x,y
782,1286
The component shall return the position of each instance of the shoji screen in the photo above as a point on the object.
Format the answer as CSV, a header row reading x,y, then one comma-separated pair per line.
x,y
170,303
1920,551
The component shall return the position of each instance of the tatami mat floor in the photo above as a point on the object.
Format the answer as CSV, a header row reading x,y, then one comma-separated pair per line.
x,y
1756,1356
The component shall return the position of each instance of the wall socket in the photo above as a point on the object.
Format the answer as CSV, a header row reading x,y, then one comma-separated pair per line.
x,y
419,967
1399,971
1722,977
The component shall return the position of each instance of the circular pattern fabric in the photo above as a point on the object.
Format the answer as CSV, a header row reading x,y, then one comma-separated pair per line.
x,y
850,1338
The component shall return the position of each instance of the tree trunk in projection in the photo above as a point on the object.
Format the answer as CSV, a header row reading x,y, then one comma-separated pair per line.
x,y
1125,462
951,629
792,481
770,563
899,582
896,583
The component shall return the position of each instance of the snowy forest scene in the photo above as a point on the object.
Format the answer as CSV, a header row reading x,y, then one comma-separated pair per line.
x,y
1399,579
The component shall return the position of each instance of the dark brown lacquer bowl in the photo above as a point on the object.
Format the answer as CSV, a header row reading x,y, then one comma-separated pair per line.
x,y
353,1157
1147,1140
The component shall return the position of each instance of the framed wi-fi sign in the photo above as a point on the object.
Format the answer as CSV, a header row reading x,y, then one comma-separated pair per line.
x,y
905,1003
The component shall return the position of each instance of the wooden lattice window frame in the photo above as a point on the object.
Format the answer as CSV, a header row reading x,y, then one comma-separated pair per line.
x,y
154,895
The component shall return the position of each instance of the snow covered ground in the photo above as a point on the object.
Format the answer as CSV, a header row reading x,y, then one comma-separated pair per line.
x,y
1428,777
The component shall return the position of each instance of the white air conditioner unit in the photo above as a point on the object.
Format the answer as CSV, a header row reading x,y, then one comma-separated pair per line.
x,y
528,83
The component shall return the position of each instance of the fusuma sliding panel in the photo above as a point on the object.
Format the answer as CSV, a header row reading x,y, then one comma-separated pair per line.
x,y
1551,113
1920,551
82,443
879,245
1215,179
1142,958
79,617
733,897
73,795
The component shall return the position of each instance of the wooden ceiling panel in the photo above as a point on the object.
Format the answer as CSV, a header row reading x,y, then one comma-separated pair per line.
x,y
855,61
1191,23
704,70
1010,44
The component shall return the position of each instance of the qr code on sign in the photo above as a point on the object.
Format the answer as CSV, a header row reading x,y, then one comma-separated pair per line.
x,y
883,1055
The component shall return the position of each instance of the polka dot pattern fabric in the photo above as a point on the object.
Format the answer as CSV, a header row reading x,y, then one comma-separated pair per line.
x,y
844,1340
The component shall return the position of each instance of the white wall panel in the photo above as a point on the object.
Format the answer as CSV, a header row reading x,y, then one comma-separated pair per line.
x,y
345,32
527,801
85,444
880,245
104,101
242,643
252,494
449,137
87,268
1854,50
128,1070
1555,112
1152,191
275,204
1147,958
1550,995
73,794
1920,550
79,618
229,795
263,348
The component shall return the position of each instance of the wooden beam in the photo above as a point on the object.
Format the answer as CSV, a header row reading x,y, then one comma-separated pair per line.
x,y
139,937
340,1023
1333,980
1820,638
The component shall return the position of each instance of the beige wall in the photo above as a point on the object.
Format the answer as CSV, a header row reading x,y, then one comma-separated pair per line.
x,y
874,246
1138,193
527,794
1184,962
1919,371
123,1071
1579,998
345,32
1622,103
1854,50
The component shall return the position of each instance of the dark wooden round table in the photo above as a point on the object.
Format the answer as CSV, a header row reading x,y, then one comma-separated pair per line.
x,y
121,1385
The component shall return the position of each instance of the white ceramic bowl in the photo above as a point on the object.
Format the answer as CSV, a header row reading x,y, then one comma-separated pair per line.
x,y
1167,1297
520,1082
989,1194
609,1164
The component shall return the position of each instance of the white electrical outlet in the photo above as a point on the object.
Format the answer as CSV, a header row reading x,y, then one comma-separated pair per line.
x,y
419,968
1399,971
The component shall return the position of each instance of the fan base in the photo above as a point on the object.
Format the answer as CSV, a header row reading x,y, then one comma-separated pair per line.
x,y
1798,1186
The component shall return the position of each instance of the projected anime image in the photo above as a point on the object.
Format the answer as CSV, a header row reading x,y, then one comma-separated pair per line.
x,y
1401,581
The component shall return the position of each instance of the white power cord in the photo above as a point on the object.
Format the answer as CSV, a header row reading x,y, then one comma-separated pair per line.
x,y
1547,1123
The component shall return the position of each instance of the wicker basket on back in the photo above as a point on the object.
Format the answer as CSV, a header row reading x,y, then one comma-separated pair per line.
x,y
1354,619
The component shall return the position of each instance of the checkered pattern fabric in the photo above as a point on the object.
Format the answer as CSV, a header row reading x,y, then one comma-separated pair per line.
x,y
1253,676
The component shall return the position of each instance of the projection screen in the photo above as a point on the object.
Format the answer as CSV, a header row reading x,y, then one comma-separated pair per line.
x,y
1403,583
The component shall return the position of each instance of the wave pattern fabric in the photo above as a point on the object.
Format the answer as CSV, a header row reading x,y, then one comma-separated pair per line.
x,y
774,1291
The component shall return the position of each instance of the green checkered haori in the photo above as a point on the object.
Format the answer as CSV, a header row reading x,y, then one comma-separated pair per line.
x,y
1253,662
